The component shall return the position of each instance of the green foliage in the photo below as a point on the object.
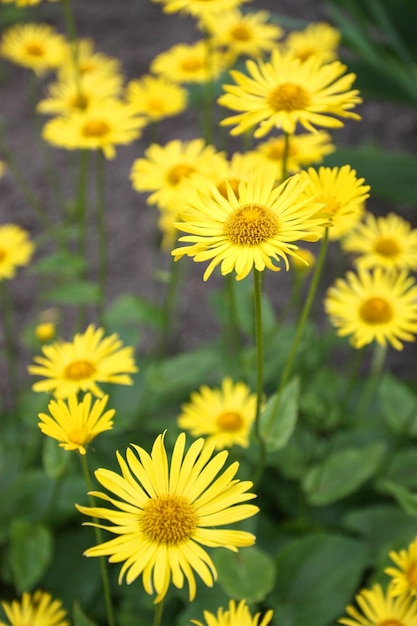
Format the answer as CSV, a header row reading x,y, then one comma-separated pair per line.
x,y
248,575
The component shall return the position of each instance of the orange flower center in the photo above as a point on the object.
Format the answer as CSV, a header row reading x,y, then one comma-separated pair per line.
x,y
288,97
376,310
251,225
229,422
79,370
234,184
95,128
412,575
192,64
2,255
156,105
178,172
240,32
80,436
169,519
387,247
35,49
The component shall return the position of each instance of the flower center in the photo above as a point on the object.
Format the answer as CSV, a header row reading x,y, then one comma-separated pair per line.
x,y
387,247
304,53
288,97
390,622
35,49
79,370
178,172
79,436
332,205
2,255
251,225
157,105
230,422
240,32
192,64
376,311
412,575
79,101
95,128
233,182
168,519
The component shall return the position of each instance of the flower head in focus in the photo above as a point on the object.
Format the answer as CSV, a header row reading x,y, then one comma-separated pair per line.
x,y
376,607
235,615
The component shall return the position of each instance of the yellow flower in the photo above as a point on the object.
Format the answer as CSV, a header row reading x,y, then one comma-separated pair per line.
x,y
343,193
15,249
253,228
223,416
318,39
102,126
303,150
389,242
45,331
236,169
379,609
199,8
372,306
36,46
74,424
304,261
188,63
169,171
156,97
404,576
164,512
89,63
246,34
286,91
91,358
24,3
236,615
37,609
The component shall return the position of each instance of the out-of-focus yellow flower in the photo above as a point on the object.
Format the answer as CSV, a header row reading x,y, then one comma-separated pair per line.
x,y
36,46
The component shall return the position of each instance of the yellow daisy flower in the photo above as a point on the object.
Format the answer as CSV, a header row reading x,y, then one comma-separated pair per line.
x,y
319,39
156,97
236,169
372,306
386,241
36,46
37,609
286,91
45,332
89,63
169,171
404,575
90,358
188,63
253,228
236,615
223,416
164,512
65,97
343,193
377,608
74,424
24,3
304,261
102,126
15,249
199,8
242,34
303,150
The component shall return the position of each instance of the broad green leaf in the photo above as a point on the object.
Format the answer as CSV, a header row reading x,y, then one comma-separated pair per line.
x,y
30,553
341,473
76,293
278,421
405,498
131,309
60,263
55,459
79,617
398,405
248,574
317,577
402,468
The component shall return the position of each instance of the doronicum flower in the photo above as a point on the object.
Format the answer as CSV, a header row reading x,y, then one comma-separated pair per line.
x,y
45,331
36,46
387,242
24,3
235,615
404,575
74,424
162,513
102,126
16,249
223,416
375,306
78,365
37,609
376,608
317,39
199,8
89,63
343,193
156,97
253,228
285,91
190,63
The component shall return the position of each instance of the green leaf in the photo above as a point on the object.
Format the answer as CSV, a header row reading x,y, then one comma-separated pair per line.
x,y
55,460
278,422
248,574
79,617
81,292
131,309
405,498
398,405
341,473
317,576
402,468
60,263
30,553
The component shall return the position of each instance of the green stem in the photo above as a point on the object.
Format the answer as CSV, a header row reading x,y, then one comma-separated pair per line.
x,y
73,37
351,383
233,338
301,324
80,215
8,331
376,369
168,307
99,539
101,233
284,172
257,283
158,613
208,93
